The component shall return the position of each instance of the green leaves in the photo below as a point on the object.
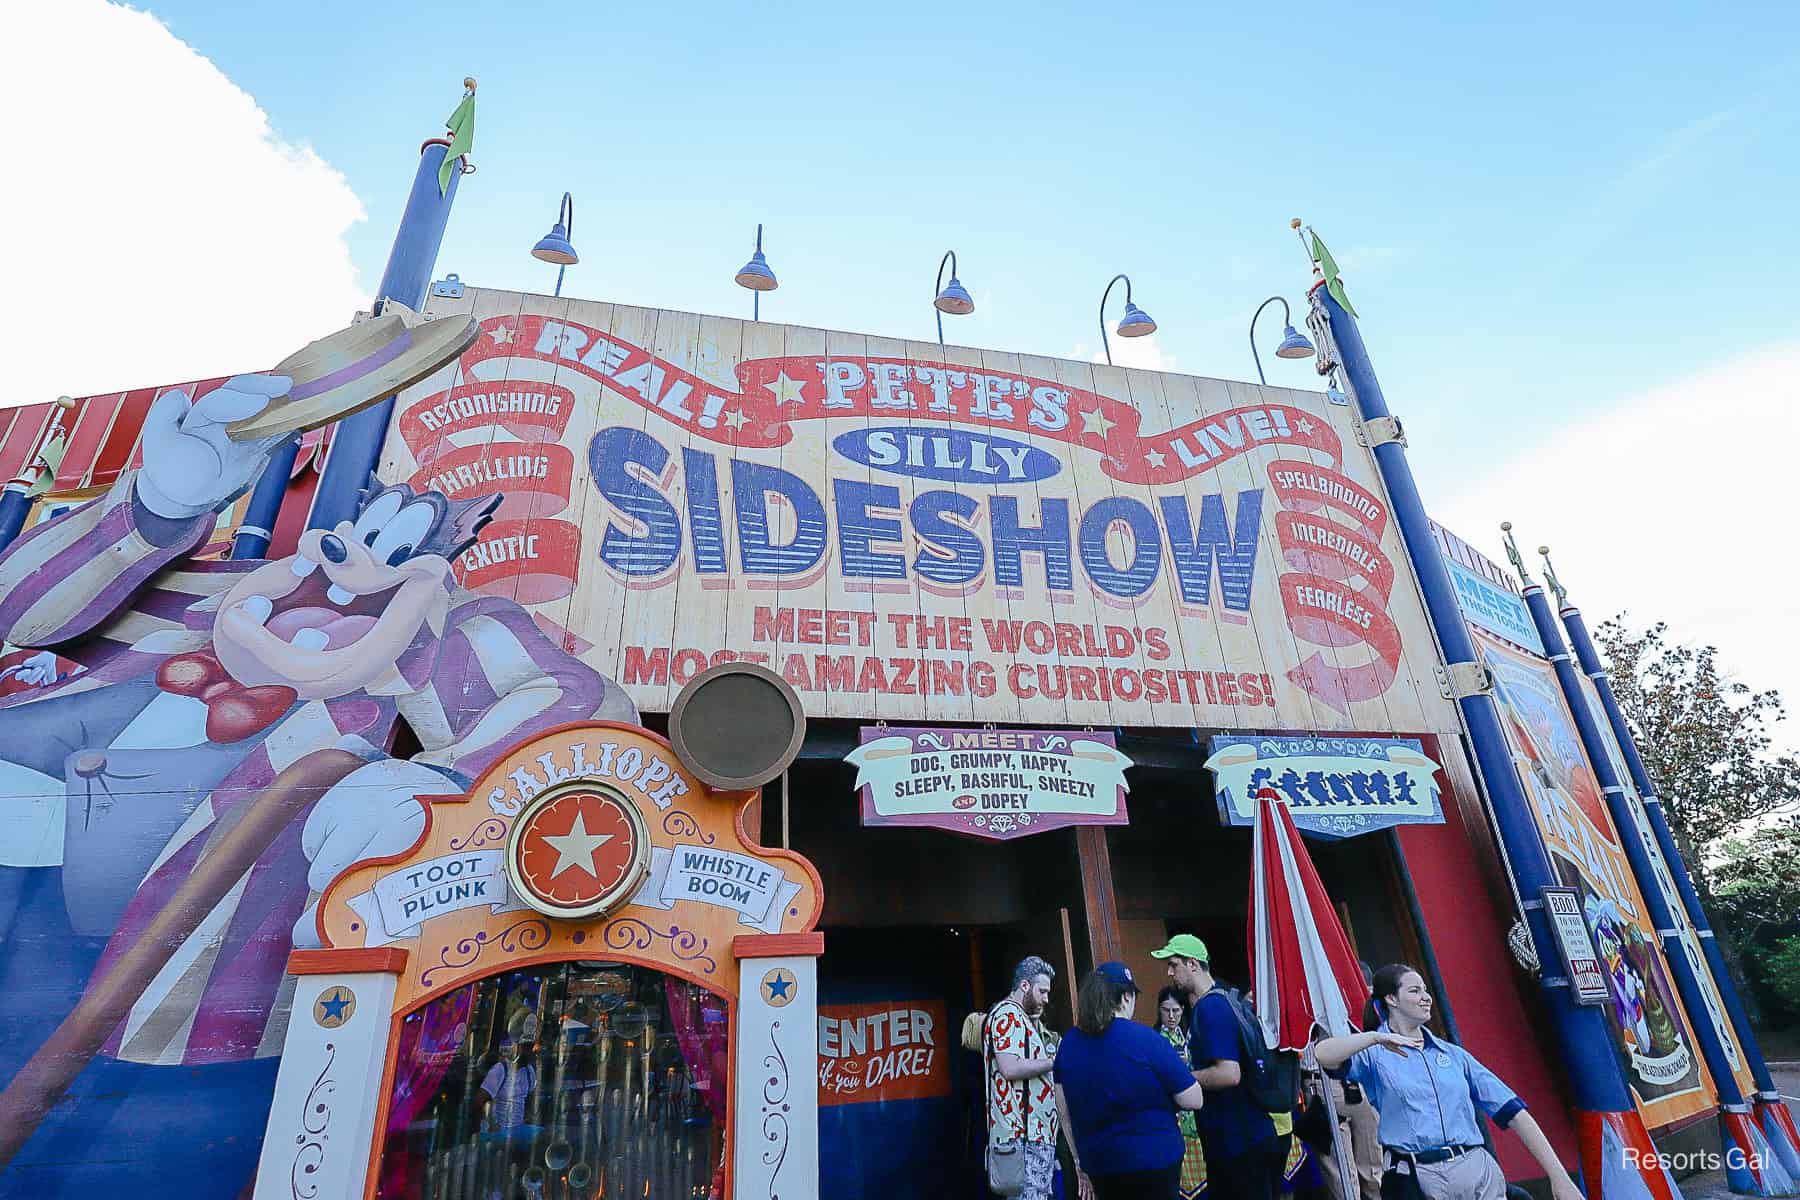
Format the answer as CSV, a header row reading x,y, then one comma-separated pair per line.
x,y
1705,738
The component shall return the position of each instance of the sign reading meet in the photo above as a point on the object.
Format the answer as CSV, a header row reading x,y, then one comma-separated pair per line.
x,y
994,783
1487,605
1336,787
911,533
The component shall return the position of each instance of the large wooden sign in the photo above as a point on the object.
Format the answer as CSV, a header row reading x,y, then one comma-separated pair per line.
x,y
910,533
589,842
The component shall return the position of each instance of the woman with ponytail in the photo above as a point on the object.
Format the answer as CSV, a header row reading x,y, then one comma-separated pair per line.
x,y
1430,1094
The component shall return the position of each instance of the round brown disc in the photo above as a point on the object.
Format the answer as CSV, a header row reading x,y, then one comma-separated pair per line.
x,y
736,726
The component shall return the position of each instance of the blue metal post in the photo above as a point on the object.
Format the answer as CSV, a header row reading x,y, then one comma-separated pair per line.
x,y
15,506
1776,1122
258,530
356,445
1586,1048
1638,852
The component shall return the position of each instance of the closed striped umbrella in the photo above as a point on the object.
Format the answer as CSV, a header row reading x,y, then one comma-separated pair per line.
x,y
1305,974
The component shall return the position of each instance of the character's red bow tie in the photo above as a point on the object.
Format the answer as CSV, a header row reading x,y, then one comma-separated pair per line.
x,y
233,711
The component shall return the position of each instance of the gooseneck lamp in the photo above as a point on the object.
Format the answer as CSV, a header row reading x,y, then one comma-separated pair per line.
x,y
1294,344
757,276
1135,323
952,297
555,247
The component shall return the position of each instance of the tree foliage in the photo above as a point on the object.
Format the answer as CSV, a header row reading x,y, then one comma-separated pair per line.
x,y
1704,736
1756,896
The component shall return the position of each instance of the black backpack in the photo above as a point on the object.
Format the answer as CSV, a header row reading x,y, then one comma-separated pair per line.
x,y
1271,1077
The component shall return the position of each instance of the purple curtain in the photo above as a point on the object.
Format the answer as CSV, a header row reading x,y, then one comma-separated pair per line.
x,y
429,1040
698,1018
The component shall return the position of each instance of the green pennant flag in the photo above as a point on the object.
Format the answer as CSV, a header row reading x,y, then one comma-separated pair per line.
x,y
48,461
462,139
1328,265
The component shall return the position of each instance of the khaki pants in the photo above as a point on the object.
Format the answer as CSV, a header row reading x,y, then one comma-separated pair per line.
x,y
1472,1176
1358,1125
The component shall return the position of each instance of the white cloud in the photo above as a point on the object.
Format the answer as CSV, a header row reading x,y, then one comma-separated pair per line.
x,y
157,228
1145,353
1678,506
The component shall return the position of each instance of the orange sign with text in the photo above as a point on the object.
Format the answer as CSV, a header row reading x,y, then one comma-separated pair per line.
x,y
885,1050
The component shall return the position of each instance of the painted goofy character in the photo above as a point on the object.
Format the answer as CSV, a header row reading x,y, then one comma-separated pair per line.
x,y
204,682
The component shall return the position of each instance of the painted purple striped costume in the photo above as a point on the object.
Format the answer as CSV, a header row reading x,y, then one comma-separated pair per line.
x,y
114,780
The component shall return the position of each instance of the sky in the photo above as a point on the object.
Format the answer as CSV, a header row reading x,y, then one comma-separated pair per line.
x,y
1565,230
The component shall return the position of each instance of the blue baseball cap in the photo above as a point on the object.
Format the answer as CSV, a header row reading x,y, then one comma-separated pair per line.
x,y
1119,973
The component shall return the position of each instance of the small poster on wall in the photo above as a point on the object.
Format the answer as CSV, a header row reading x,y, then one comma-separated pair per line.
x,y
992,783
1587,979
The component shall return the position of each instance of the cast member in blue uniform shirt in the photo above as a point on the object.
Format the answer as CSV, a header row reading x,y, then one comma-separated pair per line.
x,y
1118,1087
1427,1091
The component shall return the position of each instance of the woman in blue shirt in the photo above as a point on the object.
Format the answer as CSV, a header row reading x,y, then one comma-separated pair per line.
x,y
1427,1092
1118,1087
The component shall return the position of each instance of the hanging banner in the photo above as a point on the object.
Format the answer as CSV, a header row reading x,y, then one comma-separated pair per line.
x,y
1335,787
1648,1024
914,533
992,783
887,1050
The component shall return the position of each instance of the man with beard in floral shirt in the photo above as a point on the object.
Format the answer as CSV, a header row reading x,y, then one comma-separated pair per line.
x,y
1021,1095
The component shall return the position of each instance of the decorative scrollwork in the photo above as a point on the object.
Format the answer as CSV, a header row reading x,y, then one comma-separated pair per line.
x,y
485,834
533,933
678,824
776,1086
311,1154
775,1108
629,933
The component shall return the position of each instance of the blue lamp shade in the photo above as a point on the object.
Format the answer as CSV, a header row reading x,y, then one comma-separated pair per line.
x,y
554,247
756,275
1136,322
954,299
1293,344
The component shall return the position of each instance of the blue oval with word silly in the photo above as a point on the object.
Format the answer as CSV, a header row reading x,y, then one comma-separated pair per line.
x,y
949,454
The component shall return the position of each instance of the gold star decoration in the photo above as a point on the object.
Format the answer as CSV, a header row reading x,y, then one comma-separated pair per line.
x,y
502,335
1094,420
787,391
1155,458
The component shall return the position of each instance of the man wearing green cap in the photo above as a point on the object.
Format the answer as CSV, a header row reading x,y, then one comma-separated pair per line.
x,y
1244,1155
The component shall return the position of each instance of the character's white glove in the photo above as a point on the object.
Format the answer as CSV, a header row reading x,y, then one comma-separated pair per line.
x,y
369,813
190,465
36,671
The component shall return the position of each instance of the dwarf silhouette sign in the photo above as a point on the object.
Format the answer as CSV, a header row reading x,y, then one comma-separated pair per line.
x,y
168,815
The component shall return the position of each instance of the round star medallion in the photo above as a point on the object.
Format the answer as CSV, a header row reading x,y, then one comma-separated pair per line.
x,y
334,1006
577,851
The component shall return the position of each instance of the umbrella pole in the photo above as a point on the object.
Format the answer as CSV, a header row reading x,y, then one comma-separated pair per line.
x,y
1349,1184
